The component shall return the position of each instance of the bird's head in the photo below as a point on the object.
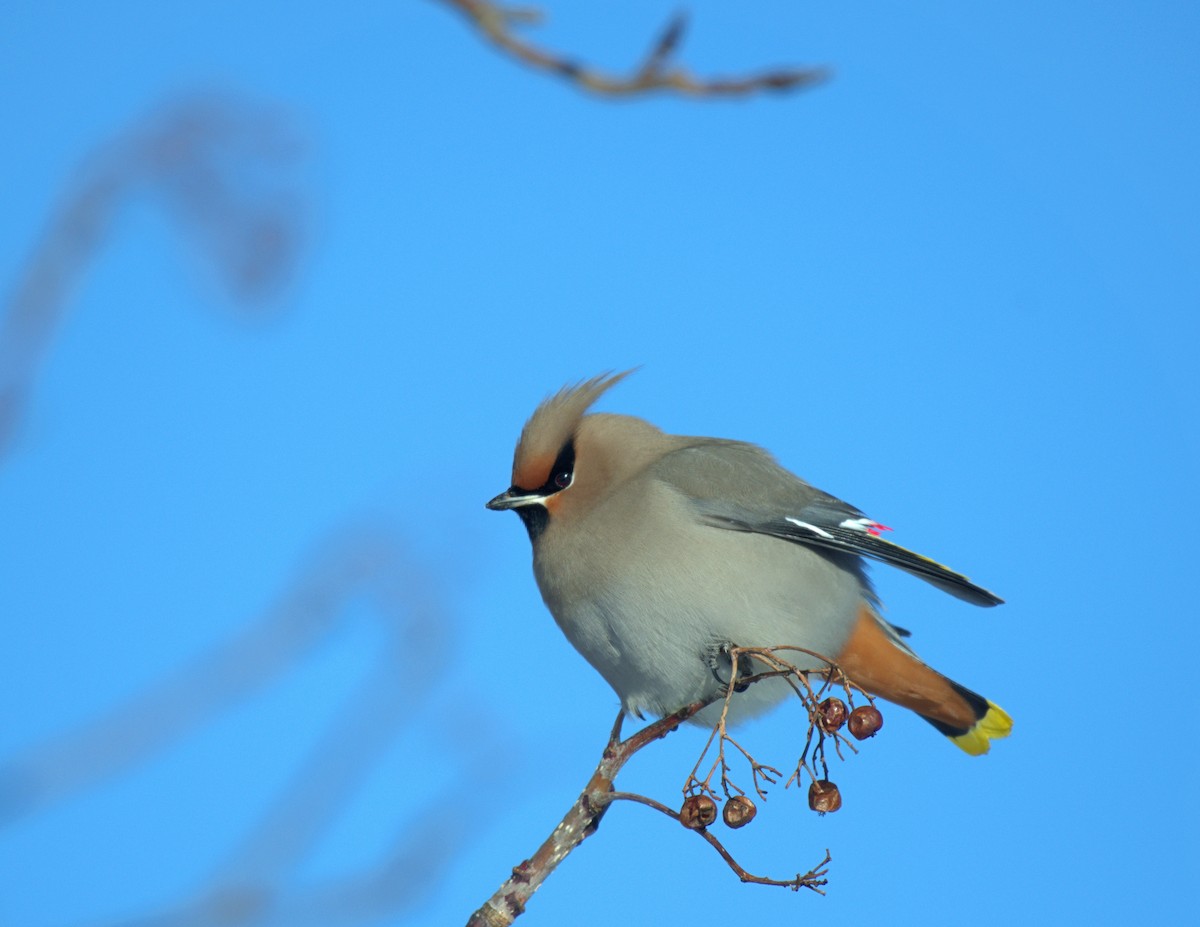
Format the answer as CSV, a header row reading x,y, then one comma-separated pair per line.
x,y
564,457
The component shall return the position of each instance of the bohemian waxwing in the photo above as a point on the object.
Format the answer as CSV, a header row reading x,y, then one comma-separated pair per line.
x,y
656,552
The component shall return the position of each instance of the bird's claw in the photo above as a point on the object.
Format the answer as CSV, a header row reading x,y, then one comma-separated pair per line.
x,y
718,659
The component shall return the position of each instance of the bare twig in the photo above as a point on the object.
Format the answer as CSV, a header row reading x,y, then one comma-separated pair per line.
x,y
797,678
655,74
814,879
579,823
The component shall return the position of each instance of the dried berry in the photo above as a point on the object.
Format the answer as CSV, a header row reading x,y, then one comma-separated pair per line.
x,y
833,715
698,811
865,721
823,796
739,811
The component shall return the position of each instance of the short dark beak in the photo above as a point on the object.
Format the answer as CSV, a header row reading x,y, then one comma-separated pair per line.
x,y
513,498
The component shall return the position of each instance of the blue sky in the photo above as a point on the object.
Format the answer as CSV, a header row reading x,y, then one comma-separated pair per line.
x,y
957,286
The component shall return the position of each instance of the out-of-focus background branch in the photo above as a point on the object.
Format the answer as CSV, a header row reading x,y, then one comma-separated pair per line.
x,y
657,73
958,278
221,168
393,697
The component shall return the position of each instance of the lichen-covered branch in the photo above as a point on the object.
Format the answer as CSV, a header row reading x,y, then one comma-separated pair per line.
x,y
578,823
657,72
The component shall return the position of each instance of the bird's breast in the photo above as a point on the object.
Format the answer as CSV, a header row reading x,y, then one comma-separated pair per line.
x,y
645,591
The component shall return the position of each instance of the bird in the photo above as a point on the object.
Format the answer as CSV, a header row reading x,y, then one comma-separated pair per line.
x,y
657,553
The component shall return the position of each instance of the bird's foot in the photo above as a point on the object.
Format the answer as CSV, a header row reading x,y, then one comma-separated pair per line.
x,y
719,661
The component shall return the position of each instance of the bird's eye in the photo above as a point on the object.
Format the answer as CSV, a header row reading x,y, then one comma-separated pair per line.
x,y
563,470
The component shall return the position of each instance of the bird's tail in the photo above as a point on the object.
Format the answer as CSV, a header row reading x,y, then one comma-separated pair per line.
x,y
877,660
991,722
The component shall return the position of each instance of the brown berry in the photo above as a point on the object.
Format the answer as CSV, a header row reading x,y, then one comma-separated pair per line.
x,y
823,796
865,721
698,812
738,811
833,715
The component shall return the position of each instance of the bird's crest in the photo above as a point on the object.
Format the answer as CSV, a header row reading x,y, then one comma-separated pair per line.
x,y
552,425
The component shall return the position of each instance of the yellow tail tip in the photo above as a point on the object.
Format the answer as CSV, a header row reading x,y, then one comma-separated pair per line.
x,y
992,726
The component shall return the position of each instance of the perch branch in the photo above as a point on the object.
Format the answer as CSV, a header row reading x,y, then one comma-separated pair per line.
x,y
656,73
579,823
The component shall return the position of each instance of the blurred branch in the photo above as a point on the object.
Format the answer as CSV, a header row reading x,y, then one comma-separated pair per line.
x,y
367,565
166,711
656,73
217,164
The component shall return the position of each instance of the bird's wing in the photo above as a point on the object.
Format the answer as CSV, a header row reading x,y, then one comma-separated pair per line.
x,y
740,487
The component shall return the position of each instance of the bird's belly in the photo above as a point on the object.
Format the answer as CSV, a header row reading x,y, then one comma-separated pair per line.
x,y
651,621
